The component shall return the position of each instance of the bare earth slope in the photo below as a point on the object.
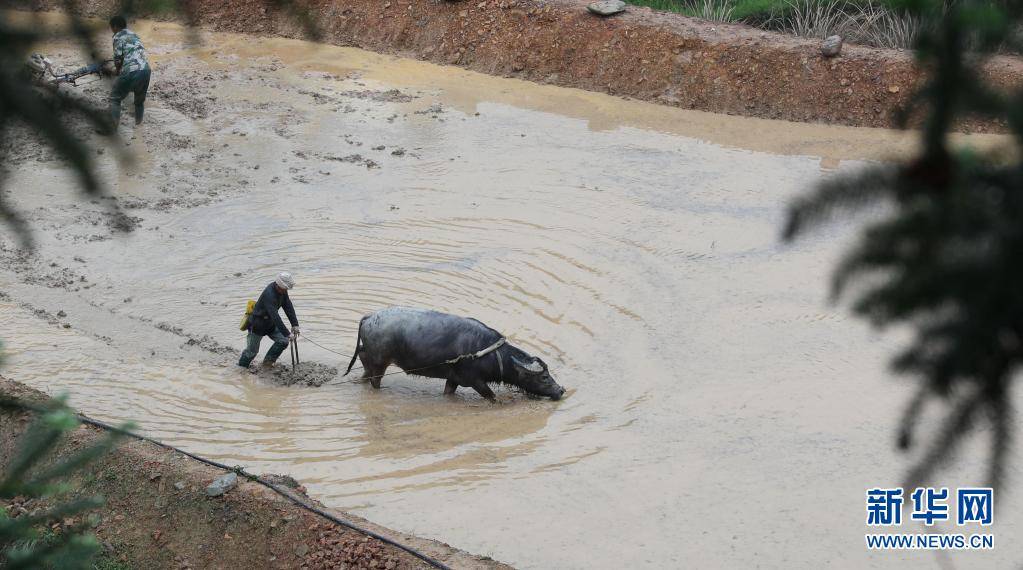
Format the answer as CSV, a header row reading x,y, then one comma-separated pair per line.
x,y
157,514
643,53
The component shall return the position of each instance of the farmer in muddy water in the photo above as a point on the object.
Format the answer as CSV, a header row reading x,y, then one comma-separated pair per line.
x,y
265,320
132,68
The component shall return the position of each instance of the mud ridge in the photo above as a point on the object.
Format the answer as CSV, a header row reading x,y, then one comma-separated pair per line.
x,y
311,374
157,514
643,54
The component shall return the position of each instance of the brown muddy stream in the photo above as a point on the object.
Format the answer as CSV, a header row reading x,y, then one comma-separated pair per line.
x,y
720,413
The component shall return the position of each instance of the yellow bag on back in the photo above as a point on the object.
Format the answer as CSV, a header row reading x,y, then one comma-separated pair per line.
x,y
251,306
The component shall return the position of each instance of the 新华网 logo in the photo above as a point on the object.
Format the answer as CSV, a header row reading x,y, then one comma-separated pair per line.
x,y
973,506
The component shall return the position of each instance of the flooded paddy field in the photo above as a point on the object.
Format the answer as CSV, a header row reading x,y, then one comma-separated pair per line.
x,y
719,413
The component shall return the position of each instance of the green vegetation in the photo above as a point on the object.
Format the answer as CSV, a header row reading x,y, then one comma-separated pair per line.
x,y
729,10
41,538
868,22
939,254
57,536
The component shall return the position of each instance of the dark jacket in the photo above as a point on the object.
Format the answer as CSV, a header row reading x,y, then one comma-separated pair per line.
x,y
265,317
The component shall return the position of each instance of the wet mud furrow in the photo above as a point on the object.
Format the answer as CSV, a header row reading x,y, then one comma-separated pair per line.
x,y
634,247
643,54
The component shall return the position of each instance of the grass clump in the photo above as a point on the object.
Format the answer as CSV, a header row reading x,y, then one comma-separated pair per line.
x,y
866,22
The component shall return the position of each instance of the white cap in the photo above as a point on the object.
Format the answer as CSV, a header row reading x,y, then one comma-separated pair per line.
x,y
285,280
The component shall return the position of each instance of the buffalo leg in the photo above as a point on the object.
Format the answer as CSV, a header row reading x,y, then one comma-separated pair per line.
x,y
372,371
450,387
484,390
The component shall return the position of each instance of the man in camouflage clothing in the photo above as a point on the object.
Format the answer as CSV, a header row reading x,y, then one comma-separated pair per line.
x,y
132,70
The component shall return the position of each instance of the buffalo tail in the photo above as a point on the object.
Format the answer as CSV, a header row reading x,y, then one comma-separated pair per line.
x,y
358,346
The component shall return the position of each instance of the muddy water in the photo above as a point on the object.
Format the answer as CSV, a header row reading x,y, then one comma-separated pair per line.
x,y
719,414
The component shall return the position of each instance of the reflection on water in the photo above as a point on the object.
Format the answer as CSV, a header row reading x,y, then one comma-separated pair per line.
x,y
399,426
643,265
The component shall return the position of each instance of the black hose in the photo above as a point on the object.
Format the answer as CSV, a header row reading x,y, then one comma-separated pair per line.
x,y
240,471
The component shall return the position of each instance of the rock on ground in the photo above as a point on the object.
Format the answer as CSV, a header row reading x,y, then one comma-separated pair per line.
x,y
831,46
607,7
222,484
151,523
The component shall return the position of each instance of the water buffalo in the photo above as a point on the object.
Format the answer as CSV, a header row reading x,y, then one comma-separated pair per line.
x,y
421,341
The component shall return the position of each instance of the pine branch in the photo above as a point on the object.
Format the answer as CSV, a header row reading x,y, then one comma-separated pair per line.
x,y
945,259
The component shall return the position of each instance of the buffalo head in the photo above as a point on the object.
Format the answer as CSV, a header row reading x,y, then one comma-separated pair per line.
x,y
533,377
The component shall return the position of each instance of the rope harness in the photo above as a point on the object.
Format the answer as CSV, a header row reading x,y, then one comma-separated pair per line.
x,y
496,347
476,355
452,361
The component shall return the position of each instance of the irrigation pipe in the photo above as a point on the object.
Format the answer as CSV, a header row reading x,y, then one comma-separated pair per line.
x,y
10,402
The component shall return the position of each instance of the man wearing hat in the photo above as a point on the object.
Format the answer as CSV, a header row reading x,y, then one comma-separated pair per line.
x,y
266,321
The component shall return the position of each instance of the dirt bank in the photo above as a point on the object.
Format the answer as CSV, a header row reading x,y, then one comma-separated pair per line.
x,y
645,54
157,514
633,246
